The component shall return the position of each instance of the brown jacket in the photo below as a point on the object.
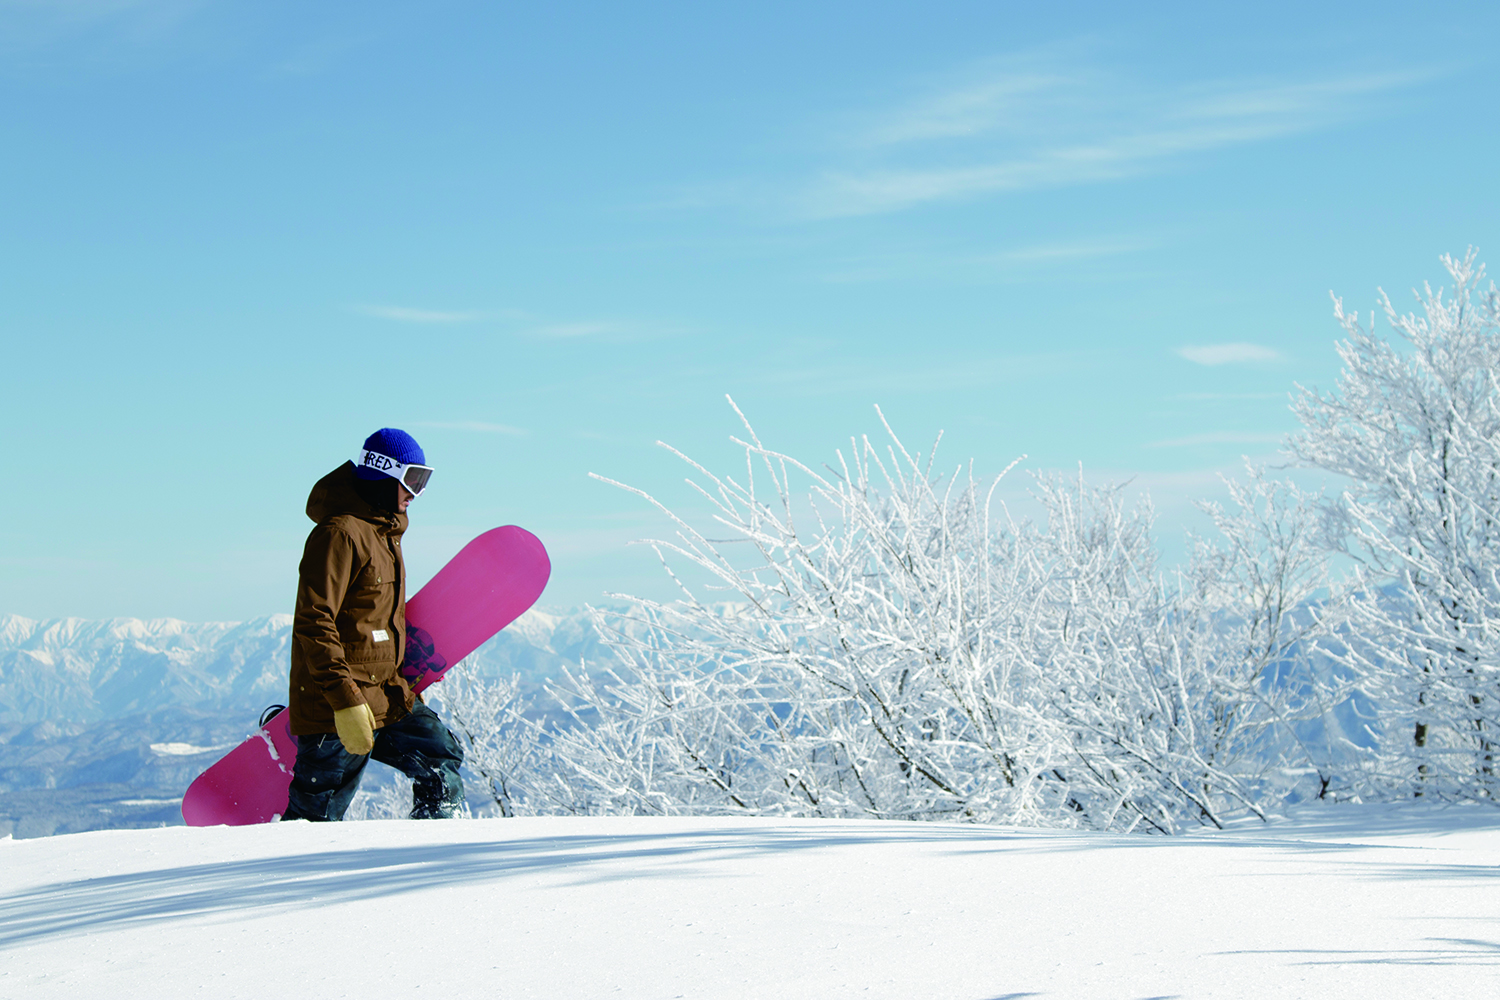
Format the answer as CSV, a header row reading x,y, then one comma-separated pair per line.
x,y
349,630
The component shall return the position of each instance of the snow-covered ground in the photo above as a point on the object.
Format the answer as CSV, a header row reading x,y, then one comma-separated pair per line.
x,y
1339,901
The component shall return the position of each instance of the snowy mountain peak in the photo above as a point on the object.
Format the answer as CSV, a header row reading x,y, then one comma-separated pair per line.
x,y
81,670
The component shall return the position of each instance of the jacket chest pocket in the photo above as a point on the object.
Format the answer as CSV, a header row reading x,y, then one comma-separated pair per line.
x,y
378,576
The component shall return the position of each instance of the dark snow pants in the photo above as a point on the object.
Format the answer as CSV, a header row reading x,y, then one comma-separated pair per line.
x,y
326,775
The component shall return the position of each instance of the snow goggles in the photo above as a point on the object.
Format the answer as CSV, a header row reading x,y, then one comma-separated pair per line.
x,y
413,477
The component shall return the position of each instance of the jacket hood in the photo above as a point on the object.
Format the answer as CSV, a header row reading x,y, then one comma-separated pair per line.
x,y
335,494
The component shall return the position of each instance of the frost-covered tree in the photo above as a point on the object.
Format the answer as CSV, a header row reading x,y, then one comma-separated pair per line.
x,y
1257,592
500,744
855,660
1414,425
1189,697
883,641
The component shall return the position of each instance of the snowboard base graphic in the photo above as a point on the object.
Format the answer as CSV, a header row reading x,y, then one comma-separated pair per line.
x,y
484,588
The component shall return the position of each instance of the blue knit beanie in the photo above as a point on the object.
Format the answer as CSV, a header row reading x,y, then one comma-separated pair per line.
x,y
391,443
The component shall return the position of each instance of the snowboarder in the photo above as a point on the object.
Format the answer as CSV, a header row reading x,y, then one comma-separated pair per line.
x,y
348,701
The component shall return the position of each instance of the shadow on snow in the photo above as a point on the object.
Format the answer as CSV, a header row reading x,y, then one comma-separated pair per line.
x,y
338,876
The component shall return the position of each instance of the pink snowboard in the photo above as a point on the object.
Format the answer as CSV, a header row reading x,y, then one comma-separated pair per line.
x,y
484,588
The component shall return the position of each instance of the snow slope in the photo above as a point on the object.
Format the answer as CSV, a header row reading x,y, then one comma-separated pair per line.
x,y
1344,902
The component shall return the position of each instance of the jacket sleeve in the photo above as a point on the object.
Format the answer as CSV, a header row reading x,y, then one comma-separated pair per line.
x,y
329,563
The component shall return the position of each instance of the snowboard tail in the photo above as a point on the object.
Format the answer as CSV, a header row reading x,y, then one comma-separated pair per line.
x,y
488,585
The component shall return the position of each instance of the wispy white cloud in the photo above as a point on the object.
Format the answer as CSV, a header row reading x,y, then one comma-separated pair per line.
x,y
603,331
1224,437
403,314
1079,250
520,323
572,330
84,12
1227,354
870,377
40,23
1052,120
474,425
973,108
1021,263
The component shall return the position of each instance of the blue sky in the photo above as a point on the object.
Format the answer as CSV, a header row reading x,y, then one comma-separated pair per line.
x,y
238,237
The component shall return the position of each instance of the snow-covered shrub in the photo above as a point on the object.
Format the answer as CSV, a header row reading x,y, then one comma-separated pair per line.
x,y
896,647
1188,697
1256,595
1415,427
853,669
500,744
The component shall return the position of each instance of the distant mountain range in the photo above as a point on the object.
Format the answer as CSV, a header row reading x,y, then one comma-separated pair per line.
x,y
104,723
71,670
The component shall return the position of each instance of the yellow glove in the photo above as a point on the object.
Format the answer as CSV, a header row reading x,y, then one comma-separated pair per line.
x,y
356,728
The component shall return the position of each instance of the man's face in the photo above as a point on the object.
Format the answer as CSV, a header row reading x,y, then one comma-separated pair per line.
x,y
403,497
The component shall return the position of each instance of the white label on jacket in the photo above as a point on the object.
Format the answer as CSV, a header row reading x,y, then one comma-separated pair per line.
x,y
380,635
